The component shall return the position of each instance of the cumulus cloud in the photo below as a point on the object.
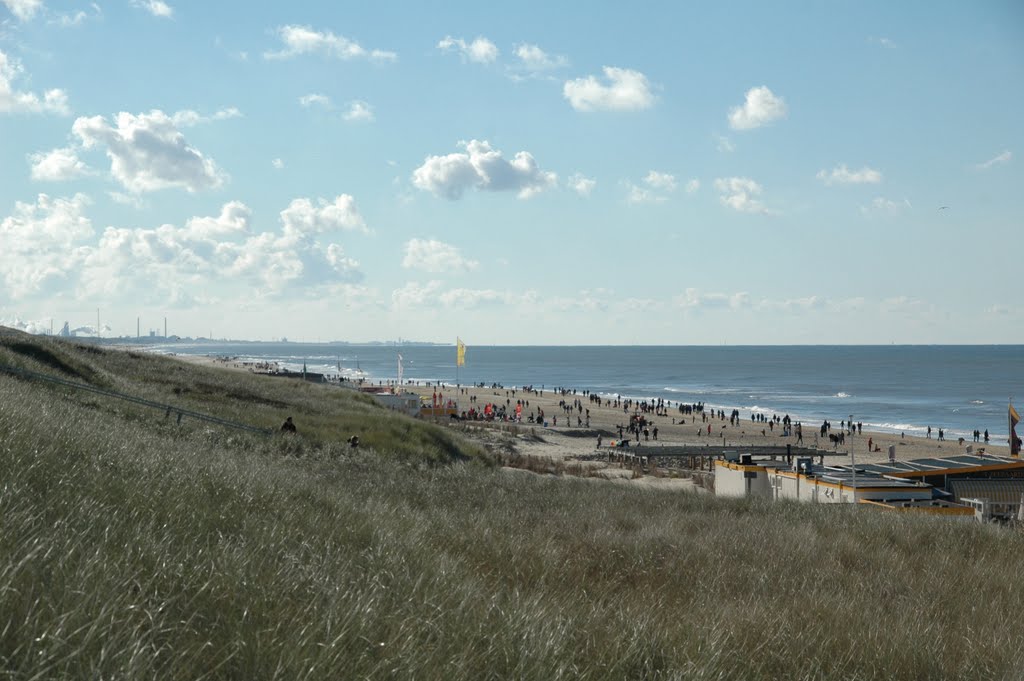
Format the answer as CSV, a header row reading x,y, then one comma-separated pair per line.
x,y
157,8
315,99
303,217
581,184
655,187
234,219
23,10
624,90
692,186
740,193
483,168
659,180
761,107
533,58
17,101
430,255
725,145
40,243
177,265
277,163
843,175
999,159
359,110
147,152
301,40
480,51
57,165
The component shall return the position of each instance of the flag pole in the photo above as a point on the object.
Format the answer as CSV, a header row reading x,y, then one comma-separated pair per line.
x,y
1012,418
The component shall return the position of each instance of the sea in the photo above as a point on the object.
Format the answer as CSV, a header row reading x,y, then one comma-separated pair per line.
x,y
893,388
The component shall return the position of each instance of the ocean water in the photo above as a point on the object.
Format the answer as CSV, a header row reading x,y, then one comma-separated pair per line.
x,y
887,388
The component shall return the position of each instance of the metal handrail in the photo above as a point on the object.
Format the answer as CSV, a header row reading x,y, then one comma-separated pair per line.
x,y
167,408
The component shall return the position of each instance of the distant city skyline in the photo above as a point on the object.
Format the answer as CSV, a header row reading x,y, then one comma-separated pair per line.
x,y
663,174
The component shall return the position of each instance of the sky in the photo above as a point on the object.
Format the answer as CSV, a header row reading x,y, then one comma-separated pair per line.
x,y
524,173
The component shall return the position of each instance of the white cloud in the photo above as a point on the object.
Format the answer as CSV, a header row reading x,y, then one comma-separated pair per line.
x,y
627,90
71,20
435,256
24,10
234,219
999,159
45,248
761,107
693,298
725,144
480,167
640,195
480,51
315,99
57,165
466,298
39,243
431,295
887,206
299,40
302,217
189,118
277,163
15,101
581,184
157,8
884,42
658,184
663,181
692,186
739,193
414,295
843,175
147,152
532,58
76,19
359,110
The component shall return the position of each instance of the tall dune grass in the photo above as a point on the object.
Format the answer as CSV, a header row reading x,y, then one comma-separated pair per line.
x,y
131,547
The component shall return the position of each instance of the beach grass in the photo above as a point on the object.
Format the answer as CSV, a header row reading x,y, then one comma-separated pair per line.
x,y
135,547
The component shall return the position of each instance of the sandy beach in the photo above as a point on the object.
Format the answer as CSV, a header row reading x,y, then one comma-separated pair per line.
x,y
563,439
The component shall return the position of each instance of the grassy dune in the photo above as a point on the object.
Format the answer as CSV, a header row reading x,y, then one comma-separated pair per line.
x,y
134,547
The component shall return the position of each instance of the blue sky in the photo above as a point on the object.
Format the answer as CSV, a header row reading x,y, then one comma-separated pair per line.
x,y
673,173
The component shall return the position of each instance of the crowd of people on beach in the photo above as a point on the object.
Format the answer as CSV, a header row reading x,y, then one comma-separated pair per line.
x,y
574,412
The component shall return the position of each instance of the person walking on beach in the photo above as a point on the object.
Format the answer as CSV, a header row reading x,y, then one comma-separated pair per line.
x,y
288,426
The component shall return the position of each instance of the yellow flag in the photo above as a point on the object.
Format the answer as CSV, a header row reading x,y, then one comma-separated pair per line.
x,y
460,352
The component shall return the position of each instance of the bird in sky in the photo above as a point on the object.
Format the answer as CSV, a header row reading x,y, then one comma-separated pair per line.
x,y
943,207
